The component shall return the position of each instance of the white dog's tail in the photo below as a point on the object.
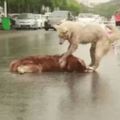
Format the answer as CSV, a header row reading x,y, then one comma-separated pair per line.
x,y
113,33
112,28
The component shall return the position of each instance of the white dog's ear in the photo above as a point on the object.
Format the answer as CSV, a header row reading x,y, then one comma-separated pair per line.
x,y
60,28
64,30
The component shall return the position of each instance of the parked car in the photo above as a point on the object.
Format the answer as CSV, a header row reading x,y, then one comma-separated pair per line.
x,y
47,14
40,19
112,21
56,17
26,20
89,18
116,17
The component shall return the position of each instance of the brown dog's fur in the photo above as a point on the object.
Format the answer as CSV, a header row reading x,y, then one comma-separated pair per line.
x,y
34,64
100,36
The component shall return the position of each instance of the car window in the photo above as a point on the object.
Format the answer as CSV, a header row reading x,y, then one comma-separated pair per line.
x,y
25,16
59,14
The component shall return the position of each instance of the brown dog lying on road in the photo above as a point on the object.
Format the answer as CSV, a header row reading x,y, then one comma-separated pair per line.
x,y
38,64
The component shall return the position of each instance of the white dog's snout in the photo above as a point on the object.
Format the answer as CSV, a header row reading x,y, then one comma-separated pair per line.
x,y
61,41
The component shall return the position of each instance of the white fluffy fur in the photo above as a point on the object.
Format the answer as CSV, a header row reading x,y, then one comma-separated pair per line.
x,y
100,36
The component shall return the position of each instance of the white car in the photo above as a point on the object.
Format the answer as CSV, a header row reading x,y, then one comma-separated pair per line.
x,y
89,18
40,19
26,20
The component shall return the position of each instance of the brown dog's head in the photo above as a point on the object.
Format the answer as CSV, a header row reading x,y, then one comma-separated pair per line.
x,y
75,64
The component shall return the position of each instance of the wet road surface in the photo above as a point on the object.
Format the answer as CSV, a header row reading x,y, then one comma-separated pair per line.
x,y
56,96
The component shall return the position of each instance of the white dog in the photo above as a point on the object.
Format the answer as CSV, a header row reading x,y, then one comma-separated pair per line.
x,y
101,37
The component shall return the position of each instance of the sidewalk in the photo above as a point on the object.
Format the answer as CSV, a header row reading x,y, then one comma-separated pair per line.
x,y
15,33
7,31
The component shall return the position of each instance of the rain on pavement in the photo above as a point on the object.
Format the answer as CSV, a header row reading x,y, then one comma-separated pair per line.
x,y
55,96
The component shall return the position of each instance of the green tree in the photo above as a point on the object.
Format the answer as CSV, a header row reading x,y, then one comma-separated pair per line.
x,y
107,9
19,6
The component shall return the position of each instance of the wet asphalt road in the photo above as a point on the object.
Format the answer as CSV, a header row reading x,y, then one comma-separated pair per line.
x,y
55,96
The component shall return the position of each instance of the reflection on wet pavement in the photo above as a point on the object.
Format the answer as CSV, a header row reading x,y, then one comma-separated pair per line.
x,y
117,51
56,96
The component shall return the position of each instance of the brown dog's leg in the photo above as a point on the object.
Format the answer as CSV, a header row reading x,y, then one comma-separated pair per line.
x,y
29,69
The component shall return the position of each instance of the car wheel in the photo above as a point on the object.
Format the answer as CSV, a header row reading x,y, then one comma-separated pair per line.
x,y
54,29
46,28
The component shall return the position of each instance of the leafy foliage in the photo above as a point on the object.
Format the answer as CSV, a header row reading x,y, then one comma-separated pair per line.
x,y
15,6
107,9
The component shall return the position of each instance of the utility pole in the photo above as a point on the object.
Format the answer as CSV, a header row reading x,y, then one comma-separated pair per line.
x,y
5,8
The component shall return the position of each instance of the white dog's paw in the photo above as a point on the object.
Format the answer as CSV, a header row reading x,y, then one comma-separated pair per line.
x,y
62,62
90,69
